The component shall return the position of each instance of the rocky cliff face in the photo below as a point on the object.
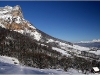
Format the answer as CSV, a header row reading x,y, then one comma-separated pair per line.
x,y
12,18
11,14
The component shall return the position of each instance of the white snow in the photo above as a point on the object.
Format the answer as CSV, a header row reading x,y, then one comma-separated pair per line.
x,y
61,51
64,45
36,35
44,45
31,26
16,7
10,60
50,40
7,17
67,47
8,7
95,52
96,68
8,37
75,47
2,12
81,48
19,31
18,19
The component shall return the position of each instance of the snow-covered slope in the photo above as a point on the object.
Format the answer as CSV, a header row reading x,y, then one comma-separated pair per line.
x,y
9,60
61,51
7,67
65,47
97,52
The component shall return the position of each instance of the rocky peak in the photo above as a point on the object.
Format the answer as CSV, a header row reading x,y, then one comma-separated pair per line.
x,y
17,11
12,18
10,14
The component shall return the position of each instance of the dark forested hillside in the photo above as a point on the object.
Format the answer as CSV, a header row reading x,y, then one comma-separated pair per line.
x,y
31,53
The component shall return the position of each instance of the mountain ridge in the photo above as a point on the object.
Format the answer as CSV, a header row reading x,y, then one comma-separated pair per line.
x,y
23,26
92,41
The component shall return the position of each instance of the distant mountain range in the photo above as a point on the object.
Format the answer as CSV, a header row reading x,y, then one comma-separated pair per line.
x,y
93,43
95,40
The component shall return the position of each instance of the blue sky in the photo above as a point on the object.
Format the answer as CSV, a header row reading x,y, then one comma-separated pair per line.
x,y
67,20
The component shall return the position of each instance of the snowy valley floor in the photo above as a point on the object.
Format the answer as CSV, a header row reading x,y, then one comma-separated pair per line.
x,y
7,66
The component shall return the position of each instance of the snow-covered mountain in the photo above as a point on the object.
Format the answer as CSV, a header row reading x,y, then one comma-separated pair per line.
x,y
12,18
21,39
95,40
92,44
